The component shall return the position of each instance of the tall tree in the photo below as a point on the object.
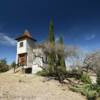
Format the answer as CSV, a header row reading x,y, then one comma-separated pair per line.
x,y
61,68
51,56
61,55
51,32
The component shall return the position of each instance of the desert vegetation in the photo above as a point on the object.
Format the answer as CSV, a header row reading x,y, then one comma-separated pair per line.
x,y
3,65
79,75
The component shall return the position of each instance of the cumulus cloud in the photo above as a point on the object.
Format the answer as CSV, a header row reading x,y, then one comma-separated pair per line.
x,y
90,37
6,40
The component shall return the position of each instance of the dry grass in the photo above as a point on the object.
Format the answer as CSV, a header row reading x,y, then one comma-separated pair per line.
x,y
32,87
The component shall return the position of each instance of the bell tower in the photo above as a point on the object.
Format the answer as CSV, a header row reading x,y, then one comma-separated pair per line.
x,y
25,45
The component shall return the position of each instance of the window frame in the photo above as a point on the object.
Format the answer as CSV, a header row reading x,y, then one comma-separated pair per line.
x,y
21,44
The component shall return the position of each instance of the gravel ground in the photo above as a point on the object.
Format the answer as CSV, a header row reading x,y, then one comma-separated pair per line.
x,y
33,87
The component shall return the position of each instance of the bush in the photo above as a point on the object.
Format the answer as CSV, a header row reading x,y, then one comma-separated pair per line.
x,y
91,95
59,73
98,77
87,90
98,89
43,73
74,73
61,69
3,65
85,78
4,68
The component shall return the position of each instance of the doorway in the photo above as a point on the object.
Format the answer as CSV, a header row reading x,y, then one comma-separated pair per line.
x,y
28,70
22,59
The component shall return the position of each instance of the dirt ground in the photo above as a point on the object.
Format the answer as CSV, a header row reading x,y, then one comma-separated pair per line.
x,y
33,87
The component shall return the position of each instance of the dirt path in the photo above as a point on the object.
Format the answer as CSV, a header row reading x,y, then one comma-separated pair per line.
x,y
32,87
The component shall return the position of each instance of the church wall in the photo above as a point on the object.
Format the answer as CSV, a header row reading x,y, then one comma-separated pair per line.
x,y
35,69
38,53
22,49
38,57
16,59
30,46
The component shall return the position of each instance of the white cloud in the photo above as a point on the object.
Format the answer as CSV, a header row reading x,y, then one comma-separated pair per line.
x,y
90,37
6,40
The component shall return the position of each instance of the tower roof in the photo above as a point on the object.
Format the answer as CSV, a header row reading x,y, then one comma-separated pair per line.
x,y
25,35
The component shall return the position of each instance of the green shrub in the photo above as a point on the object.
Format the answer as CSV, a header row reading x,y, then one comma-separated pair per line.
x,y
98,77
4,68
98,89
85,78
76,70
43,73
91,95
3,65
61,69
87,90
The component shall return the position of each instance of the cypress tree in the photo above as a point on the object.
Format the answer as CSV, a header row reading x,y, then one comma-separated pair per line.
x,y
51,56
51,32
60,68
61,59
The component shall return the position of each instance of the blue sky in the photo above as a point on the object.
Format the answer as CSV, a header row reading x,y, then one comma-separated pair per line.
x,y
77,20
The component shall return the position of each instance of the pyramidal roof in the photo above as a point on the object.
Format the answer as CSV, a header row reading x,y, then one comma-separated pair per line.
x,y
25,35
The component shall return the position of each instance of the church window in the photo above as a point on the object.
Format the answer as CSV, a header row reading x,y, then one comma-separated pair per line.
x,y
21,44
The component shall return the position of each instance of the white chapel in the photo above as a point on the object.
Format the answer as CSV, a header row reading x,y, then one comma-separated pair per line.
x,y
29,54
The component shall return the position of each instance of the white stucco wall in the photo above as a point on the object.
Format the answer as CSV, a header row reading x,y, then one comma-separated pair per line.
x,y
22,49
16,59
35,69
37,60
30,46
38,56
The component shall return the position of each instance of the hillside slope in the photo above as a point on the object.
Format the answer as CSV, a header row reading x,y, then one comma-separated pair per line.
x,y
32,87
